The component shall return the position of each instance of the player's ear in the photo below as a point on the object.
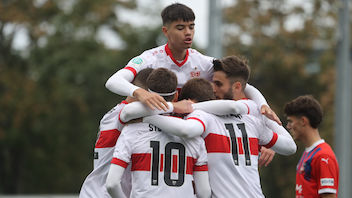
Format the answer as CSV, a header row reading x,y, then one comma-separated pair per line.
x,y
175,97
236,86
305,121
164,30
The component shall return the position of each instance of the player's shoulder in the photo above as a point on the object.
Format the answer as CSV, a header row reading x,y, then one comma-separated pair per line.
x,y
199,114
324,149
253,108
193,53
148,56
109,120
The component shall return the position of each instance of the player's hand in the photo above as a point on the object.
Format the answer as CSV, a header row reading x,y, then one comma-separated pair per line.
x,y
266,156
183,106
269,113
152,100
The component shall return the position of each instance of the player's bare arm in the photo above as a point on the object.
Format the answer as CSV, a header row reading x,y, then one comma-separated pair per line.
x,y
152,100
269,113
266,156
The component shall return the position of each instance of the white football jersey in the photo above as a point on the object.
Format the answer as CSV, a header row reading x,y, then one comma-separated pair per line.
x,y
109,131
232,143
162,165
194,65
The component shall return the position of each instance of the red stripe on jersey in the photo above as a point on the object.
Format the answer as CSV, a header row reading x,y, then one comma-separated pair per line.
x,y
247,107
253,143
217,143
201,168
132,70
189,166
168,52
120,118
240,146
107,138
174,163
124,102
119,162
141,162
194,118
272,141
161,162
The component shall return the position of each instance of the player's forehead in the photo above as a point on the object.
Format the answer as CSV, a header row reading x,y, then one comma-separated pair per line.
x,y
182,22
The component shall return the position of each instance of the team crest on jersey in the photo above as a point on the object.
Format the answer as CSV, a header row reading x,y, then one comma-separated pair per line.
x,y
195,74
137,60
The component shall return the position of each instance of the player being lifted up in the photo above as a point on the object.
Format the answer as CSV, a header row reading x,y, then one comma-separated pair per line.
x,y
162,165
232,141
177,56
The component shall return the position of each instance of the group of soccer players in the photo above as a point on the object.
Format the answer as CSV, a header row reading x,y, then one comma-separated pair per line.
x,y
211,149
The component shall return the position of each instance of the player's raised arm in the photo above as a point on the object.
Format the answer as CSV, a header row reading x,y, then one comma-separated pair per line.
x,y
176,126
282,142
222,107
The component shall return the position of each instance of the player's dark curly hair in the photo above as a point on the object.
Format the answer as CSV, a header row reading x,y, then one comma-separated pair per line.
x,y
235,67
197,89
306,106
175,12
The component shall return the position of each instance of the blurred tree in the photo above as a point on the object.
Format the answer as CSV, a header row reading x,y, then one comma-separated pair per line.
x,y
52,91
291,51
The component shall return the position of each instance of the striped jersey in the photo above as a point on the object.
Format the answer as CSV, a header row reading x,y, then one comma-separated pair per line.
x,y
194,65
109,131
162,165
232,143
317,171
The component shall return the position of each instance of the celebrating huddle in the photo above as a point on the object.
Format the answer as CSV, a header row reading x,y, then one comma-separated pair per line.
x,y
190,126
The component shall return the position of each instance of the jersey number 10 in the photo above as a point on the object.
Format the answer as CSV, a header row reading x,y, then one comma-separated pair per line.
x,y
168,162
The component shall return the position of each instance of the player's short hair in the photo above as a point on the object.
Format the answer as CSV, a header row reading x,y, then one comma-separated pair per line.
x,y
236,68
141,78
175,12
197,89
306,106
162,81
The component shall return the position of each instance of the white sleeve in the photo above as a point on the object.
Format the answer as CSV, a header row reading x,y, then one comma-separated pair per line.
x,y
137,110
176,126
284,145
254,94
222,107
201,181
120,83
113,181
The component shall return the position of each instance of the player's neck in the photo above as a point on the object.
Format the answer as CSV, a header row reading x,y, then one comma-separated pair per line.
x,y
312,136
178,54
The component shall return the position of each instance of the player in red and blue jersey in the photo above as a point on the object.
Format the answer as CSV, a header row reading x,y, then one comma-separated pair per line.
x,y
317,173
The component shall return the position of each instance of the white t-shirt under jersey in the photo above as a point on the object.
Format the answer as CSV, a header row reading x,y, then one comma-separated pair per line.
x,y
162,165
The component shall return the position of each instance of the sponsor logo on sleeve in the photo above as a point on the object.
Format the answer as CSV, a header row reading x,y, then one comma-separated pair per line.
x,y
327,181
137,61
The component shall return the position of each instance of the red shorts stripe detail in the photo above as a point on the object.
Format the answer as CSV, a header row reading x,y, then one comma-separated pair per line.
x,y
174,163
132,70
240,146
272,141
141,162
253,144
217,143
199,121
119,162
107,138
201,168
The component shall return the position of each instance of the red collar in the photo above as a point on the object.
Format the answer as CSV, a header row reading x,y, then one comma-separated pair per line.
x,y
168,52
